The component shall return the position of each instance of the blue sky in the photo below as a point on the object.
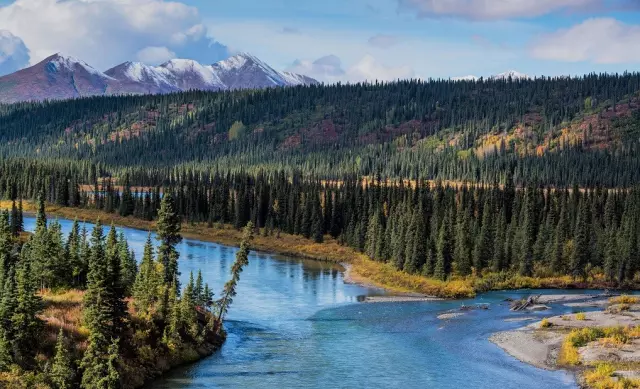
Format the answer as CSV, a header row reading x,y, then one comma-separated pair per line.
x,y
334,40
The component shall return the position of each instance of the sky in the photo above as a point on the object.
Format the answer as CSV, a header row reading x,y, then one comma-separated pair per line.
x,y
333,40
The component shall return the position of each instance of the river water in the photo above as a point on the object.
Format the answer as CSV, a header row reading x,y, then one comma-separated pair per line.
x,y
296,324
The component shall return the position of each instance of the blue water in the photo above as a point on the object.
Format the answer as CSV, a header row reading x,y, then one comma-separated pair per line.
x,y
296,324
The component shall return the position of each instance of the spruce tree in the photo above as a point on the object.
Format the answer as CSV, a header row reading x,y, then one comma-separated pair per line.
x,y
527,234
444,250
62,372
242,260
462,249
581,241
168,232
26,327
41,217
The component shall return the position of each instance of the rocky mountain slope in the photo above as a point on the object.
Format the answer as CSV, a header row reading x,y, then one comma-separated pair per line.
x,y
63,77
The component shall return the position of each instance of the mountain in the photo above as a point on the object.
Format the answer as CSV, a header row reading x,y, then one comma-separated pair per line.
x,y
514,75
57,77
244,70
64,77
466,78
138,78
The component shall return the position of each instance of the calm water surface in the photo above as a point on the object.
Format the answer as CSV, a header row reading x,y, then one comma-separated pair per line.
x,y
295,324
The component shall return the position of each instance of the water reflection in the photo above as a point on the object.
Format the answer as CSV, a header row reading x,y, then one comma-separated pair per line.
x,y
296,324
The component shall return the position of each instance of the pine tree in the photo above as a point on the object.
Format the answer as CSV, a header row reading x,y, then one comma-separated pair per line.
x,y
168,232
483,249
462,249
62,373
581,240
444,251
15,219
527,234
26,327
128,266
41,217
242,260
188,305
112,379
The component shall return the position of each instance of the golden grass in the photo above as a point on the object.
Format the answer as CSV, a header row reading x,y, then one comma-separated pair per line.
x,y
602,377
624,299
64,310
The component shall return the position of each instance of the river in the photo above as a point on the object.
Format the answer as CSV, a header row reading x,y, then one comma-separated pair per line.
x,y
296,324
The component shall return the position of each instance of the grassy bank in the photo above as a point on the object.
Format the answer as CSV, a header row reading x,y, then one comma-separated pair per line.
x,y
363,270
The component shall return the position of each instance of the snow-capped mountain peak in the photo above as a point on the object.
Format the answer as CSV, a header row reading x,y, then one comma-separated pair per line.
x,y
60,62
234,62
189,74
62,77
513,74
243,69
466,78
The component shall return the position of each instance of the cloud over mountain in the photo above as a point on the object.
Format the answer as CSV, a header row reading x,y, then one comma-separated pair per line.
x,y
329,69
110,31
14,55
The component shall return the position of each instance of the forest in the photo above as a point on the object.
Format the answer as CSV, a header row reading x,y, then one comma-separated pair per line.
x,y
80,312
555,131
434,229
488,184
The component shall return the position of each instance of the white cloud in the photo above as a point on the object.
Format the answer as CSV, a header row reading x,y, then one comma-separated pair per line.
x,y
416,56
13,53
107,32
155,55
383,41
600,40
496,9
369,69
329,69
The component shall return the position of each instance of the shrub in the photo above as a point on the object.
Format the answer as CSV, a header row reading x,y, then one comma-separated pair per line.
x,y
545,323
600,377
581,316
624,299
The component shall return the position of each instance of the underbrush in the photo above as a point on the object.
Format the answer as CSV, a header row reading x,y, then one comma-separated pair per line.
x,y
144,357
602,377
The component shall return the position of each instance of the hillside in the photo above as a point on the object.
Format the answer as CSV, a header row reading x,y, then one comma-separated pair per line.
x,y
556,131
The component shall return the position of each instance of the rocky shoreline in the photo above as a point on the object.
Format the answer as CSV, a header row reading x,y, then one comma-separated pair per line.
x,y
540,343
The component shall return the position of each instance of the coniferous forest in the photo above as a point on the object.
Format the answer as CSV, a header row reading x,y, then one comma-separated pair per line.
x,y
484,181
128,324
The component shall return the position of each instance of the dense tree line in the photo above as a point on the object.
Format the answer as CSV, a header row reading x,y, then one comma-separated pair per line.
x,y
331,131
421,227
105,268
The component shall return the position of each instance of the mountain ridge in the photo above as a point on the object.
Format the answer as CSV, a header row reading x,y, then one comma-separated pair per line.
x,y
60,77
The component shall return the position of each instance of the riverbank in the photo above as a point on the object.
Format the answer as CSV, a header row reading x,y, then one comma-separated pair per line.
x,y
360,270
144,358
601,347
363,271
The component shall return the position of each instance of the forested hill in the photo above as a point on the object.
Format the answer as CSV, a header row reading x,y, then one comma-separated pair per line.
x,y
561,131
